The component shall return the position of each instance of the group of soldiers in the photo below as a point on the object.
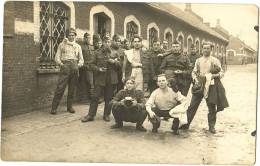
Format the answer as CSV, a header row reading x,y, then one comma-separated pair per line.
x,y
122,71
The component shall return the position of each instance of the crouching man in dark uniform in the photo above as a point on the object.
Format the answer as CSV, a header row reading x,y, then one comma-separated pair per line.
x,y
129,105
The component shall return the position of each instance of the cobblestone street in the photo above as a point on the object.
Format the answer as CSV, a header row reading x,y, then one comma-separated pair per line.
x,y
39,136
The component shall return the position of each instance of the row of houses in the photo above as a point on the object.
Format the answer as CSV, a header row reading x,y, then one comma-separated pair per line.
x,y
238,52
33,30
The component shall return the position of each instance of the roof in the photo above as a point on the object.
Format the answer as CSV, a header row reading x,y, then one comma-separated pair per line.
x,y
186,17
249,48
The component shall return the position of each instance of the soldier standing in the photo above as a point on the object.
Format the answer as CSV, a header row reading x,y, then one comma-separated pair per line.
x,y
193,56
87,51
208,70
156,59
69,57
136,64
117,49
176,67
105,66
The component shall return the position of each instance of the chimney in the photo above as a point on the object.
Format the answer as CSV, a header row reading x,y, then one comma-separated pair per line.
x,y
207,23
188,7
218,22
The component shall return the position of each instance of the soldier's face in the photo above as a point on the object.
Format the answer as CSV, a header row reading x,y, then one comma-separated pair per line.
x,y
156,46
206,49
162,82
86,39
136,43
127,44
118,42
165,45
71,37
193,50
107,42
176,48
129,85
99,44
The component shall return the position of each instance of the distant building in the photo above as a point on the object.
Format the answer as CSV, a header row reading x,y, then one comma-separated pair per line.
x,y
240,53
33,30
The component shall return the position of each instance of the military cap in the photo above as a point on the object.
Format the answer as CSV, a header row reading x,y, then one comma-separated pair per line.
x,y
71,30
86,34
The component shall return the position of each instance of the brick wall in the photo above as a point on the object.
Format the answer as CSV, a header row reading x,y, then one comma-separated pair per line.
x,y
24,10
24,90
19,69
145,15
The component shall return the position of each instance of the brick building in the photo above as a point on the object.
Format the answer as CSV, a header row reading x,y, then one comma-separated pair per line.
x,y
33,30
238,52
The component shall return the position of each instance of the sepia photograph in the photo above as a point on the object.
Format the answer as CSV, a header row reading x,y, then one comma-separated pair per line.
x,y
124,82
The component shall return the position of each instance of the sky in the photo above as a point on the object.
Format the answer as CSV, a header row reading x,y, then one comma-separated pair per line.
x,y
237,19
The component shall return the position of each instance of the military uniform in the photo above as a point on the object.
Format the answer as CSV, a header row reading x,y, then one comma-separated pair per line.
x,y
155,62
122,112
170,64
86,73
192,58
105,81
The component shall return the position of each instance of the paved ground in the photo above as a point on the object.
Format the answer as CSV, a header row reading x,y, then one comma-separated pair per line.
x,y
39,136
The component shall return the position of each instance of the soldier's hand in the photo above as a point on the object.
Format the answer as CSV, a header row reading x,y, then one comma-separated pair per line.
x,y
151,114
136,65
134,102
102,69
80,65
122,101
111,61
123,78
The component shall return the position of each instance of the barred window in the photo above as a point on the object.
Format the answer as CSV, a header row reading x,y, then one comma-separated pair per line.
x,y
53,24
198,46
153,35
181,40
168,37
131,30
189,45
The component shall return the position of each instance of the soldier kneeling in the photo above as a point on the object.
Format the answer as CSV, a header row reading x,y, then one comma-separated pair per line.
x,y
129,105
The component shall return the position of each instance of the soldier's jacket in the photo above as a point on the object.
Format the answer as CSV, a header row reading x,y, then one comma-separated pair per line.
x,y
155,61
193,59
138,95
100,59
172,63
87,51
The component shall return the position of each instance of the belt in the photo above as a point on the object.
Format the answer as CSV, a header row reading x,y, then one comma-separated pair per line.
x,y
137,67
69,61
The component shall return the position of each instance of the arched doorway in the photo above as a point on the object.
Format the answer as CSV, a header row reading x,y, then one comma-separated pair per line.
x,y
197,45
131,30
101,20
169,37
189,43
181,40
153,35
102,24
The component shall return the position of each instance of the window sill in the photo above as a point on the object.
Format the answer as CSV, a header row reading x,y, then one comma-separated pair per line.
x,y
48,71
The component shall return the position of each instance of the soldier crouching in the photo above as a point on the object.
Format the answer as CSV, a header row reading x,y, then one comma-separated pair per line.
x,y
129,105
